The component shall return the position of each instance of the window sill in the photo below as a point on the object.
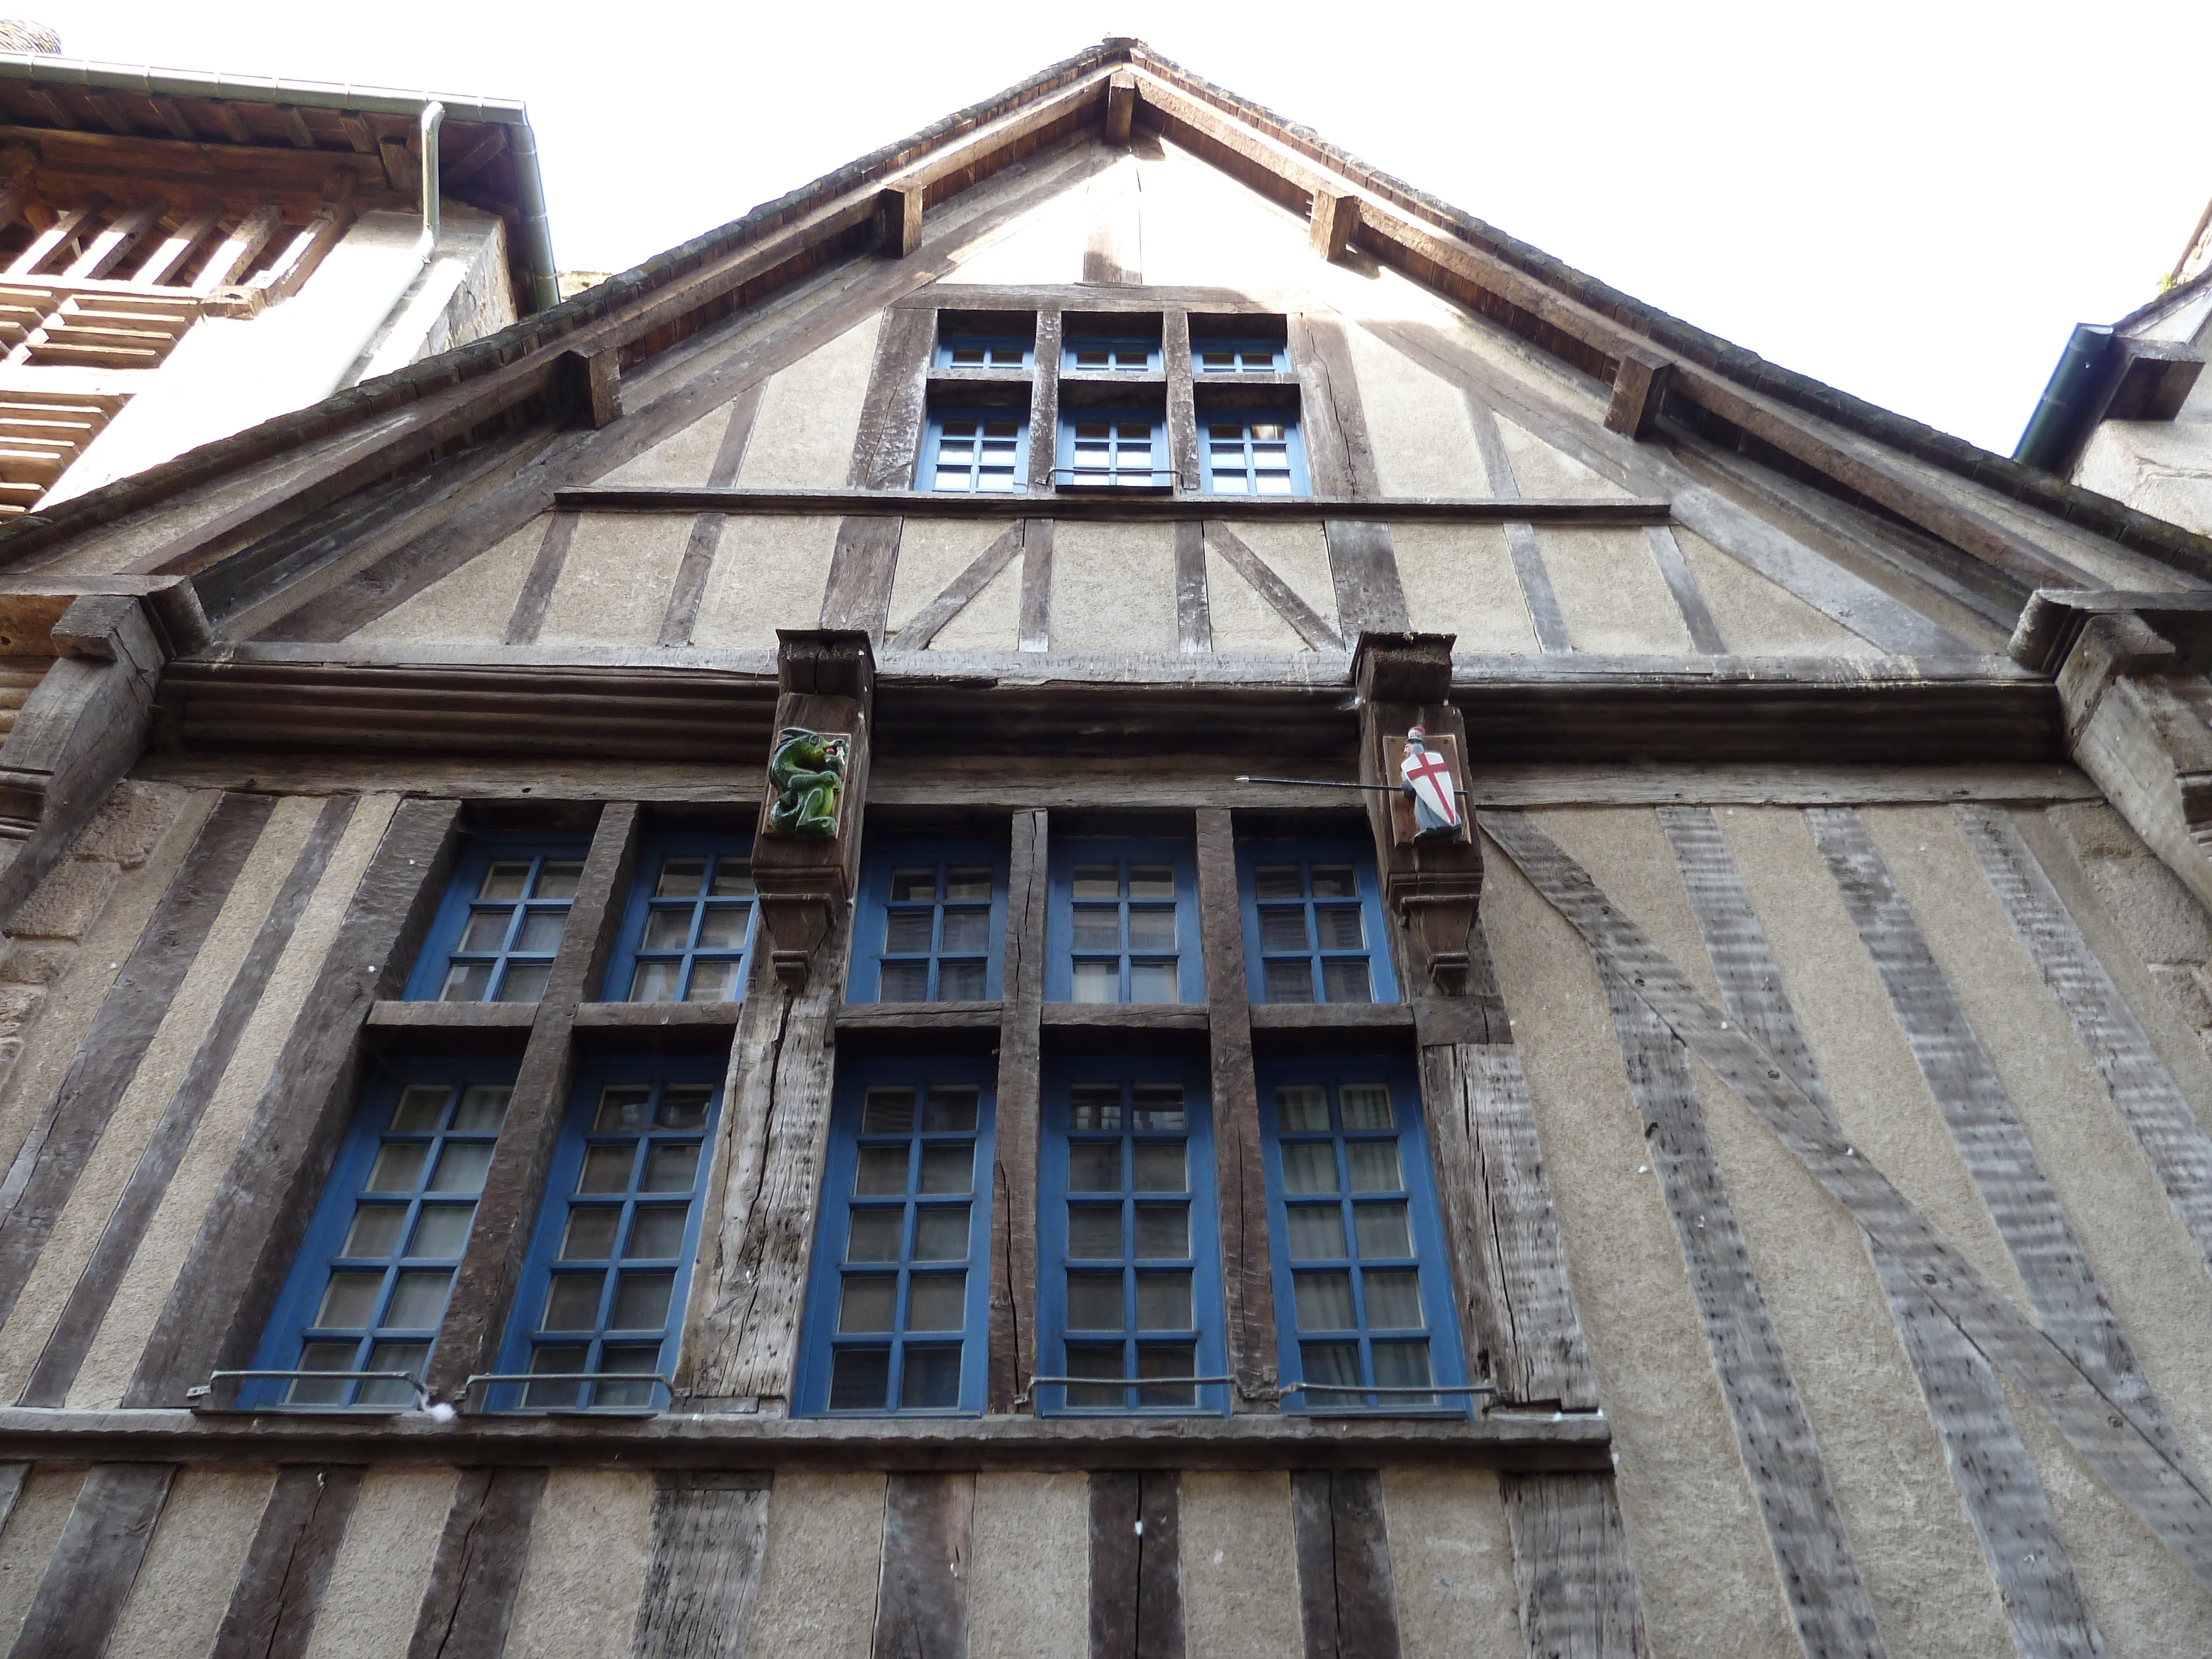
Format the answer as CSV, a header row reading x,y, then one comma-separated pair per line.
x,y
1505,1438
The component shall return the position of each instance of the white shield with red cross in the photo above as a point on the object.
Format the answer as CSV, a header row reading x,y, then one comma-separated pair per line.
x,y
1429,776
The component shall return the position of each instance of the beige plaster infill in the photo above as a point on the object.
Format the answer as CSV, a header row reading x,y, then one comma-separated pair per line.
x,y
1459,580
770,573
176,1604
1451,1563
1240,1566
1425,443
375,1590
1113,587
681,461
932,553
590,1546
1611,594
615,586
810,415
1759,618
818,1573
1029,1567
27,1544
468,606
1238,618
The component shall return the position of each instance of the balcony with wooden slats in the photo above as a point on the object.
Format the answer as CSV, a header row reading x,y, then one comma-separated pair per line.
x,y
19,677
41,434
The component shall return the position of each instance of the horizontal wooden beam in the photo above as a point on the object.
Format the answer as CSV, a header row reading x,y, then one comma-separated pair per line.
x,y
643,498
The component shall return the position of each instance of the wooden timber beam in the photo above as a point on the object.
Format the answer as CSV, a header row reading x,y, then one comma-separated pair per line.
x,y
1121,107
898,220
1335,217
1639,387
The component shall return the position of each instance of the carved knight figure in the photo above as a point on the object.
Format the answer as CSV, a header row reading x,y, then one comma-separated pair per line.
x,y
808,770
1429,784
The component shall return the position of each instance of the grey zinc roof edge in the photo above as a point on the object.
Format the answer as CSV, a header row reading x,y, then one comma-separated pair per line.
x,y
37,67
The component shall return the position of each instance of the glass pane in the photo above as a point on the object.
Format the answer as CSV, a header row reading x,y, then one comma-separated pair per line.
x,y
712,982
557,878
482,1109
409,1357
882,1170
1097,981
870,1303
418,1299
642,1302
624,1108
1290,981
607,1169
1382,1229
947,1168
591,1234
555,1359
680,878
906,932
1152,982
322,1357
1098,928
683,1105
441,1232
524,981
859,1378
641,1357
1341,928
1374,1166
1094,1302
399,1167
1329,1362
1097,881
1161,1167
505,879
656,1233
1283,930
1346,980
572,1302
466,982
461,1167
1158,1107
1324,1301
722,927
887,1112
670,1168
1094,1231
1366,1106
936,1302
349,1300
540,933
941,1234
966,932
656,981
1278,881
1094,1106
949,1110
486,930
375,1229
732,878
967,884
1162,1232
874,1235
1302,1109
422,1107
915,886
930,1379
1151,929
1404,1365
1093,1168
906,981
1095,1362
1394,1300
962,981
1152,881
1170,1359
1309,1166
1316,1232
1164,1302
667,928
1334,881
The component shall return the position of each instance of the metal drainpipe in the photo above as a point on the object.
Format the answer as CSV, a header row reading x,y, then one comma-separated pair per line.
x,y
2050,434
425,244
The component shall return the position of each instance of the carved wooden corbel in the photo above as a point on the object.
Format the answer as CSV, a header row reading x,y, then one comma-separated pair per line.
x,y
807,846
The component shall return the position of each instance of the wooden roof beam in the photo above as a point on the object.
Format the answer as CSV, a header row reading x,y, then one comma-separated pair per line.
x,y
1121,107
173,118
107,249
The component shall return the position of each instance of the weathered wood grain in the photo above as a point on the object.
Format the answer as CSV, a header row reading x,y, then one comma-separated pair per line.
x,y
272,1608
62,1139
1996,1478
922,1601
2164,1495
889,438
1304,620
1782,1460
252,1228
1044,397
1571,1568
1036,584
1136,1564
1573,511
1181,400
1340,453
1247,1277
709,1529
552,558
478,1566
2150,1101
12,1476
2061,1285
1363,566
1015,1133
72,1336
1347,1602
978,573
861,570
1682,583
94,1561
1193,604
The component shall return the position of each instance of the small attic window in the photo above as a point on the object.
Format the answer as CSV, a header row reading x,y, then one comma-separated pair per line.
x,y
1110,343
1004,340
1239,345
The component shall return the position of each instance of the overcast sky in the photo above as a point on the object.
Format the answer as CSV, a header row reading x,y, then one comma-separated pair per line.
x,y
1913,201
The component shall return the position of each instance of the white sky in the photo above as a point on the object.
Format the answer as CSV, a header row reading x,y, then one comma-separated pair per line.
x,y
1913,199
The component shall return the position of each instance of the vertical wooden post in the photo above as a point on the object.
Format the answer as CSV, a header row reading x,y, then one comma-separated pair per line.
x,y
1183,406
1014,1166
1121,107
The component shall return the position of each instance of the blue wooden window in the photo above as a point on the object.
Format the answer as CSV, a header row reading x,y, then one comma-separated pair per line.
x,y
1251,452
901,1296
369,1288
602,1293
975,449
1115,350
931,918
1124,923
1362,1300
1224,354
1112,449
688,930
1129,1279
983,351
1313,923
501,920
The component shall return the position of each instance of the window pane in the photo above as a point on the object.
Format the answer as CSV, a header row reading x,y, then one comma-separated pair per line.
x,y
461,1167
1334,881
1158,1107
644,1357
1346,981
322,1357
712,982
1324,1301
870,1303
670,1168
683,1105
874,1235
375,1229
1152,982
882,1170
553,1360
680,878
1374,1166
1309,1167
1340,928
591,1234
1092,1168
1161,1167
1302,1109
906,981
1278,881
732,878
1164,1302
1098,929
1097,981
656,1234
409,1357
624,1108
1151,929
887,1112
1317,1232
667,928
572,1302
642,1302
859,1378
1382,1229
399,1167
441,1232
1394,1300
936,1302
524,981
1330,1362
931,1379
906,932
941,1234
966,932
607,1169
349,1300
949,1110
1094,1302
418,1300
655,982
482,1109
466,982
1162,1232
1366,1106
1169,1359
557,878
968,884
1094,1106
1152,881
1283,930
505,879
1095,1362
1097,881
1404,1365
420,1108
1094,1231
541,931
486,932
1290,981
947,1168
962,981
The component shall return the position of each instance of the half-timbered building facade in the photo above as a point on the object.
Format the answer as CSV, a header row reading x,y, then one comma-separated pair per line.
x,y
766,984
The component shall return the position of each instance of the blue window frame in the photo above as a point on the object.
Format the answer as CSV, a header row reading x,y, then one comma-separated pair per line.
x,y
1117,350
1124,923
1251,452
900,1302
932,916
602,1292
984,351
1362,1300
369,1288
1129,1282
976,450
1112,449
495,935
687,932
1313,923
1235,354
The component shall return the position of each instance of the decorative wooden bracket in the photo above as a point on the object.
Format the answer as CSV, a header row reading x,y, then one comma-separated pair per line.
x,y
1121,107
1431,887
825,682
1335,217
594,386
898,220
1639,387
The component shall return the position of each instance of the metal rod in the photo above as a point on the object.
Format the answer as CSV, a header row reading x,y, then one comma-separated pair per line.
x,y
1330,783
421,1394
